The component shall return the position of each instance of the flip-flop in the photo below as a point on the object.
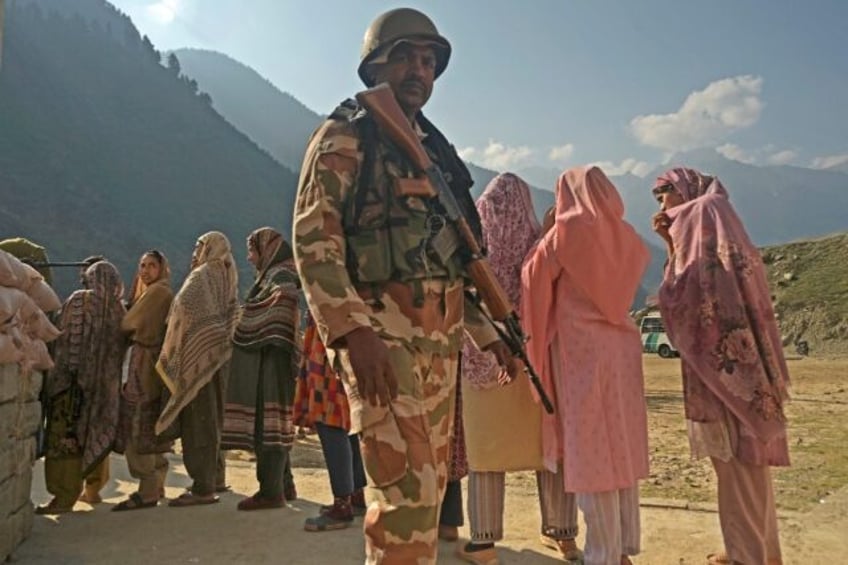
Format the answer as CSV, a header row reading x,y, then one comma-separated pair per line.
x,y
191,499
133,502
718,558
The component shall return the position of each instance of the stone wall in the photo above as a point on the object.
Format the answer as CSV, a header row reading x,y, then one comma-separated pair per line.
x,y
20,414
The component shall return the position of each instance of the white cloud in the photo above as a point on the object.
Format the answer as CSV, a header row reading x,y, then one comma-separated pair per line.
x,y
629,165
733,151
706,116
163,11
561,153
768,154
782,157
498,156
830,161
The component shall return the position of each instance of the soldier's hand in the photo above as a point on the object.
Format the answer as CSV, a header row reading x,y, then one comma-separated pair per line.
x,y
369,359
510,366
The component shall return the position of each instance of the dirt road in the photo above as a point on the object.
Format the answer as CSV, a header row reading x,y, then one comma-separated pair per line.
x,y
814,529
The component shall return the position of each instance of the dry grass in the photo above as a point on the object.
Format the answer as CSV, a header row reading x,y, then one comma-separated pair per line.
x,y
818,419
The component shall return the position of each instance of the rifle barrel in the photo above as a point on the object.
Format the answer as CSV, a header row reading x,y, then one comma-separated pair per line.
x,y
43,264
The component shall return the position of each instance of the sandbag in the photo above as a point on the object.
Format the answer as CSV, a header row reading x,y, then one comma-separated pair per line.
x,y
11,300
44,296
10,349
34,322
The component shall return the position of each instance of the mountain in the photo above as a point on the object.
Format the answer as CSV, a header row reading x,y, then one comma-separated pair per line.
x,y
776,203
274,119
103,150
809,281
542,199
545,177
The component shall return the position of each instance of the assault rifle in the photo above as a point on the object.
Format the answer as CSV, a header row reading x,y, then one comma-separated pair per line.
x,y
381,104
44,264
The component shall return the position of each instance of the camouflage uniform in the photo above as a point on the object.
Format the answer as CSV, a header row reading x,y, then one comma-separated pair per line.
x,y
415,305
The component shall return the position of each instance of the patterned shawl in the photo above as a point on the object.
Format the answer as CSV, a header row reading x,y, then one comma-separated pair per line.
x,y
320,394
603,258
89,354
510,229
200,326
717,309
270,315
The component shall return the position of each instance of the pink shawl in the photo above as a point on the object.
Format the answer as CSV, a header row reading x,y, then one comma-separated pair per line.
x,y
717,309
510,229
602,256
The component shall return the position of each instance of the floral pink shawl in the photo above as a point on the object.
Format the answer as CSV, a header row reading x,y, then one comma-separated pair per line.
x,y
717,309
510,229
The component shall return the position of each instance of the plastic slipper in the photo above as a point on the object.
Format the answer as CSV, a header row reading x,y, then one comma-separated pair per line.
x,y
191,499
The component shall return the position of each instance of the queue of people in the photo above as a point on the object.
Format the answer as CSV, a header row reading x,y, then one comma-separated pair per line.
x,y
406,380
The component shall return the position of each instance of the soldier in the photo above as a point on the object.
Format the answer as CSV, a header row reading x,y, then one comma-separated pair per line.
x,y
388,305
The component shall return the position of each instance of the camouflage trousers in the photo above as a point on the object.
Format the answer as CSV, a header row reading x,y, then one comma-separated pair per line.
x,y
405,446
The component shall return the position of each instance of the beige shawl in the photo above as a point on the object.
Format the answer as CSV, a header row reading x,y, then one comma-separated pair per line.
x,y
200,326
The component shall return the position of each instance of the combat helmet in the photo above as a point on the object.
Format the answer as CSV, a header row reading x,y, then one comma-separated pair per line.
x,y
394,26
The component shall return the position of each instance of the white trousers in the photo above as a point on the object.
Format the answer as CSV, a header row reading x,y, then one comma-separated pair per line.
x,y
612,525
486,506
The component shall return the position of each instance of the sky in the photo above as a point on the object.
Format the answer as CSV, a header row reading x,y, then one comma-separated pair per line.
x,y
558,83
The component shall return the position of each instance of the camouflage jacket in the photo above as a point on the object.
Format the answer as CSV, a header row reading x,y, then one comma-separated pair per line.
x,y
328,182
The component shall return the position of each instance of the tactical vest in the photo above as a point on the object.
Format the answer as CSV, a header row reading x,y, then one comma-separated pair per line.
x,y
393,233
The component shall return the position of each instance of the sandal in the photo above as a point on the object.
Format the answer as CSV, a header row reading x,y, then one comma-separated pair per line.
x,y
719,558
134,502
191,499
567,547
53,507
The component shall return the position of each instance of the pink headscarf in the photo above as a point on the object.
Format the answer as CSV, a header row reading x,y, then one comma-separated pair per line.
x,y
689,183
602,256
510,229
717,309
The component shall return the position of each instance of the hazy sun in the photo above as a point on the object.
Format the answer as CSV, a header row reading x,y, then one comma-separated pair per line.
x,y
163,11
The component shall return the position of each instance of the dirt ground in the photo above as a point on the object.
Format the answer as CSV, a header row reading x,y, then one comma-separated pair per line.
x,y
679,523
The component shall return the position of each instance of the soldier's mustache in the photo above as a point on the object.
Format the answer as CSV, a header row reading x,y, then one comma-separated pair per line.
x,y
413,82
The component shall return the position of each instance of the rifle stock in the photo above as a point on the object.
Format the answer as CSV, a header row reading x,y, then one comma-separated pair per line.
x,y
381,104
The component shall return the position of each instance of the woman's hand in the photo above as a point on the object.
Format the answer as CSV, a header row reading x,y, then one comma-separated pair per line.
x,y
660,222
